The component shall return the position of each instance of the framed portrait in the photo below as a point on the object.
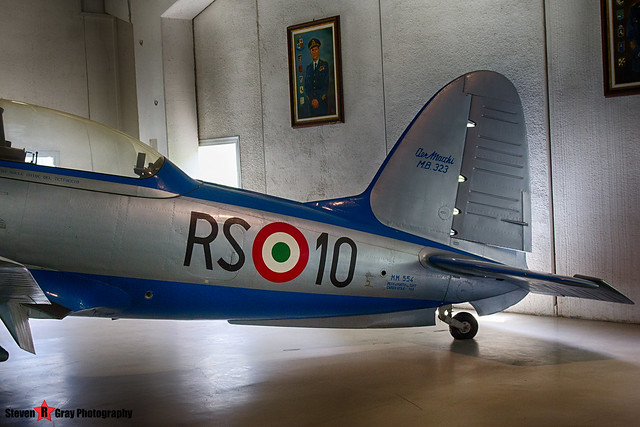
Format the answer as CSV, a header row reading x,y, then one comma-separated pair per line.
x,y
621,46
315,72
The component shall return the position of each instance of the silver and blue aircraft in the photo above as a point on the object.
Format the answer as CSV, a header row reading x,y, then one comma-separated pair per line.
x,y
95,223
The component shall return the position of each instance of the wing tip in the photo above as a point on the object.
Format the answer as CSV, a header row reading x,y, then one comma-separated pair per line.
x,y
616,295
578,286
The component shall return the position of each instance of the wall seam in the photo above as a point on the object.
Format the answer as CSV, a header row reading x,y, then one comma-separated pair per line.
x,y
552,228
384,95
264,154
86,64
195,78
163,92
116,71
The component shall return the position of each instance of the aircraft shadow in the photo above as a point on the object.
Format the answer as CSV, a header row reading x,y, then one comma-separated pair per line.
x,y
518,350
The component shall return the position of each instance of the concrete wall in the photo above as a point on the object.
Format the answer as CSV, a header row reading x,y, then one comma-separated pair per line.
x,y
595,160
426,44
243,90
42,54
55,55
396,55
111,79
147,34
180,93
332,160
229,82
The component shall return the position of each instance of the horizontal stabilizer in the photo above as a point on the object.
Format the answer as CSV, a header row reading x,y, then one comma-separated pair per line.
x,y
536,282
14,316
18,287
498,303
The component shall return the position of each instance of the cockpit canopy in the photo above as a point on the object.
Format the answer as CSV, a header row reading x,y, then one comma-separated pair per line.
x,y
47,137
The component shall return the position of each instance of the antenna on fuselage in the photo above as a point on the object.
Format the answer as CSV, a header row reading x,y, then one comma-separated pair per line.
x,y
3,141
6,152
140,170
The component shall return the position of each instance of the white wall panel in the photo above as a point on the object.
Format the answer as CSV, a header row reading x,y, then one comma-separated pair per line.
x,y
102,68
147,34
180,93
55,55
428,44
331,160
396,55
42,53
243,88
228,82
595,161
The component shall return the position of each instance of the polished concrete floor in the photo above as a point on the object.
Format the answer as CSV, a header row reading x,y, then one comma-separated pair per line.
x,y
519,371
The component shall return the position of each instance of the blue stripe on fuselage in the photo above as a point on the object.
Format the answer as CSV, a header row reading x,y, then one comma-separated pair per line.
x,y
170,178
129,297
354,213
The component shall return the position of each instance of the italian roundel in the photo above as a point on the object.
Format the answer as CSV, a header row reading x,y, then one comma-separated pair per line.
x,y
280,252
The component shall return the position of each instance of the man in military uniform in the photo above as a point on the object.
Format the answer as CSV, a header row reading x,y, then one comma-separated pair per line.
x,y
316,81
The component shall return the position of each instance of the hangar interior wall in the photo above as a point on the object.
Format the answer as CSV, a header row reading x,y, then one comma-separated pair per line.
x,y
594,158
230,62
396,55
57,55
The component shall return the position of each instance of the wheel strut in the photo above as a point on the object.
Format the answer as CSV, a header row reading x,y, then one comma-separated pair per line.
x,y
462,326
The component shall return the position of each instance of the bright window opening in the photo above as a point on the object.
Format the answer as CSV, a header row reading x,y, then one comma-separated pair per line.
x,y
219,161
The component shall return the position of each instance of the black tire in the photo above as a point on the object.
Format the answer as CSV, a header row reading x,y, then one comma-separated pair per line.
x,y
471,326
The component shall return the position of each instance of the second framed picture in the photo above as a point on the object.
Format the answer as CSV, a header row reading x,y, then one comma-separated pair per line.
x,y
621,47
315,72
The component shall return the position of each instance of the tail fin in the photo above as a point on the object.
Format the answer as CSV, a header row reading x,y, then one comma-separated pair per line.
x,y
460,170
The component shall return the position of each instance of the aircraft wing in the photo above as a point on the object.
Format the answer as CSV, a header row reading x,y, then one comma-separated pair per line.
x,y
536,282
17,287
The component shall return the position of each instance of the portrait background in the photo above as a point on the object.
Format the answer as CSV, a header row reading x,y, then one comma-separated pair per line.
x,y
303,59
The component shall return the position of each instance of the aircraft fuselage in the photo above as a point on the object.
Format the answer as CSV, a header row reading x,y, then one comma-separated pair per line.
x,y
143,254
114,229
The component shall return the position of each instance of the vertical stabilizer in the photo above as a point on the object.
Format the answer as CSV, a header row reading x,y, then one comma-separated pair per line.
x,y
461,168
415,190
493,199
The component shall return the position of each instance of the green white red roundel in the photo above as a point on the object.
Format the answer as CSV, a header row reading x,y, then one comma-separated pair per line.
x,y
280,252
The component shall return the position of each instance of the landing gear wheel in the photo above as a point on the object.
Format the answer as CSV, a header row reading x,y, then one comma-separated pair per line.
x,y
469,329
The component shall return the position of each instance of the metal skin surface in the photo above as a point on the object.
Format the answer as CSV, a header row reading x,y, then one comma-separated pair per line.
x,y
151,242
84,233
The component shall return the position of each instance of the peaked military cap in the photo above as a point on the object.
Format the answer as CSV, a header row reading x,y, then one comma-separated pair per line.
x,y
314,43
